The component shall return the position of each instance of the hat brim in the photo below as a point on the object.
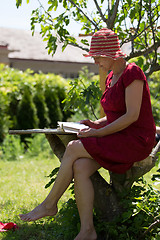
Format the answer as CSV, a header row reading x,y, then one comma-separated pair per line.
x,y
118,55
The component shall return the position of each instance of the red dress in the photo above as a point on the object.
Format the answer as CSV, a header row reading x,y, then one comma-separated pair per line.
x,y
117,152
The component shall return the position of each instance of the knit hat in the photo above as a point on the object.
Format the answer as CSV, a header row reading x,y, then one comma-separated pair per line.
x,y
105,43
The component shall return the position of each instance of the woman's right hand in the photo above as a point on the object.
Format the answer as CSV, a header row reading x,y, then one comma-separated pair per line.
x,y
89,123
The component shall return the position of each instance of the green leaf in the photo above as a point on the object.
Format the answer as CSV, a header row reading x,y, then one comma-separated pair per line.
x,y
18,3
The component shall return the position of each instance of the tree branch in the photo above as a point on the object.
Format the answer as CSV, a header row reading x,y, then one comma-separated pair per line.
x,y
140,16
113,16
149,229
100,12
139,34
80,10
152,28
154,68
145,52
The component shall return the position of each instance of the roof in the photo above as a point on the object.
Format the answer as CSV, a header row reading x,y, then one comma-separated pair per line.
x,y
23,45
3,44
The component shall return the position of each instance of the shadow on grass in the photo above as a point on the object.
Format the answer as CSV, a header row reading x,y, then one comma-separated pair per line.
x,y
65,226
28,231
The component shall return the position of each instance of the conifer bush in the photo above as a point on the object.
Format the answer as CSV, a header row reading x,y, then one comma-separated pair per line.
x,y
27,112
29,100
41,106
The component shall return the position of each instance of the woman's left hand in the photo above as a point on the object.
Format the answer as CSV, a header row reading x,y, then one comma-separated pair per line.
x,y
89,132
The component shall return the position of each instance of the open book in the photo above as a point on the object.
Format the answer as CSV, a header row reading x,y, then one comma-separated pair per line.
x,y
71,127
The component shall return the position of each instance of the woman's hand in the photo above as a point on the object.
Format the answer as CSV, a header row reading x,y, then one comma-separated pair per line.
x,y
88,123
90,132
95,124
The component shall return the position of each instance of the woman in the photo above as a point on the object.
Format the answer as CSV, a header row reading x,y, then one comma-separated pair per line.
x,y
125,135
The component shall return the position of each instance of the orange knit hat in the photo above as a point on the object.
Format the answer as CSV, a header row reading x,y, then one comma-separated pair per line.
x,y
105,43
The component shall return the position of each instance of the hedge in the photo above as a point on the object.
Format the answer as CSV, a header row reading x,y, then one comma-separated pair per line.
x,y
30,100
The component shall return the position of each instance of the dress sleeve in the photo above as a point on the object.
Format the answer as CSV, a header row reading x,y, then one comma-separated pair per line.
x,y
133,72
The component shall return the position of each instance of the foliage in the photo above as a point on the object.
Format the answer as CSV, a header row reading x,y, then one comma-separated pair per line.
x,y
41,106
11,149
67,222
30,100
26,112
37,146
84,95
4,119
136,23
142,210
154,84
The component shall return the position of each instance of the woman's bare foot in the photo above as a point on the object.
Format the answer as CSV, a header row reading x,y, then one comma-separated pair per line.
x,y
87,235
39,212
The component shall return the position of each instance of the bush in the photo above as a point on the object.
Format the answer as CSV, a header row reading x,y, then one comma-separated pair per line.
x,y
41,106
31,100
26,111
12,149
4,118
154,84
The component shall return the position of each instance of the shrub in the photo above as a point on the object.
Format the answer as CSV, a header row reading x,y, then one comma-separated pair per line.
x,y
12,149
4,118
154,84
27,112
41,106
31,100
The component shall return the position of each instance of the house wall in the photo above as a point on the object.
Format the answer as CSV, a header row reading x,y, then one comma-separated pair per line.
x,y
66,69
4,55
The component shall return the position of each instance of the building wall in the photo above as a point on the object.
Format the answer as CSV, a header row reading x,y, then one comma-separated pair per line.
x,y
66,69
4,55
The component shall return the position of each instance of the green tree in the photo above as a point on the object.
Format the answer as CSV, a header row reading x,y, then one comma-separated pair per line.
x,y
136,23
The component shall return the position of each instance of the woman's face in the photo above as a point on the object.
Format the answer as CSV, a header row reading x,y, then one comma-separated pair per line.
x,y
105,63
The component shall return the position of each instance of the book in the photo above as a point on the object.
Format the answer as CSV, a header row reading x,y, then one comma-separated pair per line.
x,y
71,127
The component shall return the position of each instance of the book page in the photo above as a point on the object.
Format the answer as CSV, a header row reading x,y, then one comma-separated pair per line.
x,y
71,126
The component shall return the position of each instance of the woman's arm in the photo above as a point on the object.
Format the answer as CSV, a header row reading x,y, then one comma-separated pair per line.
x,y
133,99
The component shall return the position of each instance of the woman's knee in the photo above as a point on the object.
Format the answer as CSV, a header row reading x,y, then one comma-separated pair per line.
x,y
72,145
70,154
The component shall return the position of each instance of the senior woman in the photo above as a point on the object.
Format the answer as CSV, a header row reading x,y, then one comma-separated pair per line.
x,y
125,135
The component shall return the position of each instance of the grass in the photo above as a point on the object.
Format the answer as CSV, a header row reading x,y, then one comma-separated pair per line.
x,y
22,188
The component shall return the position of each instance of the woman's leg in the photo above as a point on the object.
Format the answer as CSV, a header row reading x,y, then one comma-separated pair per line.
x,y
84,192
48,207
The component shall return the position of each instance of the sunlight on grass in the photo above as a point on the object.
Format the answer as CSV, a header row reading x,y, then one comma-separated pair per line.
x,y
22,187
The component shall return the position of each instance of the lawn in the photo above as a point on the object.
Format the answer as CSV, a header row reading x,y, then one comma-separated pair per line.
x,y
22,188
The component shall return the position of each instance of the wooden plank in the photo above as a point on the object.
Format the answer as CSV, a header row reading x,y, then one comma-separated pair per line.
x,y
45,131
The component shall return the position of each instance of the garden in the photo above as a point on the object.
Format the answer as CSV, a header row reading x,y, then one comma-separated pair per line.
x,y
26,163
